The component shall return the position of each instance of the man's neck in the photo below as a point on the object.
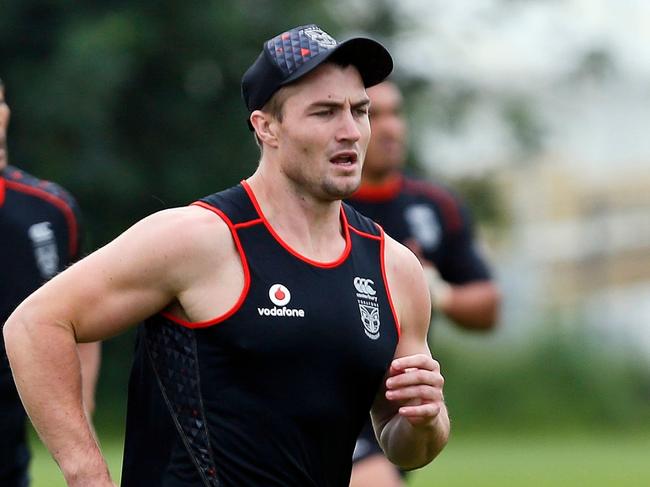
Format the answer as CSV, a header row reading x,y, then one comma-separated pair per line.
x,y
308,225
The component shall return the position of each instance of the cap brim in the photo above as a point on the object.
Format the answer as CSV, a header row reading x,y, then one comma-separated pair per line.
x,y
372,60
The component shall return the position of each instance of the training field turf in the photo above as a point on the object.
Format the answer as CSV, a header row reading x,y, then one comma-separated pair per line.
x,y
562,460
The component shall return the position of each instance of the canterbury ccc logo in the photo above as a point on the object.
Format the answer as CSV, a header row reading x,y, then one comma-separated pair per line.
x,y
364,286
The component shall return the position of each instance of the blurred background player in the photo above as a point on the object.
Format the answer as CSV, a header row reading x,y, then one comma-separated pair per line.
x,y
39,236
437,227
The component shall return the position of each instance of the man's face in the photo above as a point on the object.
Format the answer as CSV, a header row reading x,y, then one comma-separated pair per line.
x,y
324,132
387,147
4,123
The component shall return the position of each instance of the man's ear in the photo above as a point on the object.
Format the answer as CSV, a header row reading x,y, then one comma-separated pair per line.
x,y
265,127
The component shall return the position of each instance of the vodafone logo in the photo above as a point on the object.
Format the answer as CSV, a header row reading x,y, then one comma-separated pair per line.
x,y
279,295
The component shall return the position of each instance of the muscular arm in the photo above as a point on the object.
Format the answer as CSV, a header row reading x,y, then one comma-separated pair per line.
x,y
121,284
409,413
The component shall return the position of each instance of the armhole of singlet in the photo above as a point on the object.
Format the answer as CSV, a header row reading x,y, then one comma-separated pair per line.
x,y
247,277
382,251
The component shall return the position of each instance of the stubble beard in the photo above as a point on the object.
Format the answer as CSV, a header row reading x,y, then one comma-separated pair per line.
x,y
340,191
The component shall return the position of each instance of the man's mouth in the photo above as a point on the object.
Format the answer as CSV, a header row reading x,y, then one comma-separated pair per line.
x,y
344,158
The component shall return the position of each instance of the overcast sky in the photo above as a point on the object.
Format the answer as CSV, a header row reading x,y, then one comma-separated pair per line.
x,y
535,48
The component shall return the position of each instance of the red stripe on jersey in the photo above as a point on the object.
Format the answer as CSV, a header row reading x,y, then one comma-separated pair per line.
x,y
247,278
364,234
448,205
324,265
248,223
2,190
382,250
56,201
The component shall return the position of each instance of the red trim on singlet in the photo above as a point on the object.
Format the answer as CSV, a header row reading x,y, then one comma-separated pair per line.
x,y
385,191
247,278
56,201
2,190
383,274
364,234
324,265
250,223
448,205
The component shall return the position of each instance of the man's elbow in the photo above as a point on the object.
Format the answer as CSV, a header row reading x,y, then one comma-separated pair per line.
x,y
13,333
485,315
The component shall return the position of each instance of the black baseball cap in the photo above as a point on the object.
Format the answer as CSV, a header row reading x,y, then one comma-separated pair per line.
x,y
294,53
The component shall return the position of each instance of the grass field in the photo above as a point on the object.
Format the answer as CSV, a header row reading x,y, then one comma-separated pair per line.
x,y
562,460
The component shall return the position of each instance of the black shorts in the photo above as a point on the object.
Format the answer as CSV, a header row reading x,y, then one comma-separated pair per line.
x,y
14,451
368,446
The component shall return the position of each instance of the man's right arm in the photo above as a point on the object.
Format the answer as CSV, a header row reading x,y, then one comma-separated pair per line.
x,y
119,285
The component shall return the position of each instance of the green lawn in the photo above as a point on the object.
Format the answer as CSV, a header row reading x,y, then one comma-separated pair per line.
x,y
561,460
571,460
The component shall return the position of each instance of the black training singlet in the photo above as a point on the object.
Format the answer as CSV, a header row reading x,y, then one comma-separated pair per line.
x,y
39,236
275,391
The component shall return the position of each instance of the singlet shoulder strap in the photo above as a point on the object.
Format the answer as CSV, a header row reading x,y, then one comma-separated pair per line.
x,y
234,203
361,224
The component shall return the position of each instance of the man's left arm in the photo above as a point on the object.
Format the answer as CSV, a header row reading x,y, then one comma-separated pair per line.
x,y
462,287
409,413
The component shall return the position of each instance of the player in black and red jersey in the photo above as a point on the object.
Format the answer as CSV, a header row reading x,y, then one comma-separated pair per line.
x,y
276,316
434,223
39,237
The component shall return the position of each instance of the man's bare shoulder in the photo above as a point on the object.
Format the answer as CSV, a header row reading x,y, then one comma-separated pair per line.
x,y
189,227
407,284
400,260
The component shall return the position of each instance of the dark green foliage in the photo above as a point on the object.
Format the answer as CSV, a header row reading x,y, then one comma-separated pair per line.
x,y
561,378
135,106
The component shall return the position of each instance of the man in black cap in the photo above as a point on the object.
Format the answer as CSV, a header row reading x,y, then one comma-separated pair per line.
x,y
276,316
39,236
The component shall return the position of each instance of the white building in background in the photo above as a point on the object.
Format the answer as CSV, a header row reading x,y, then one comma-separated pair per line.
x,y
580,204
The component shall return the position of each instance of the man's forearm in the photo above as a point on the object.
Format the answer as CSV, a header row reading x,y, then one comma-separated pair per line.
x,y
409,446
46,368
90,358
473,306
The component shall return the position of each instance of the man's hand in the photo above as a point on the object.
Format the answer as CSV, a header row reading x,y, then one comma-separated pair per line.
x,y
415,382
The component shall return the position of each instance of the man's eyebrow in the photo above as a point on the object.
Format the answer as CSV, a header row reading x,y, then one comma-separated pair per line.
x,y
337,104
361,103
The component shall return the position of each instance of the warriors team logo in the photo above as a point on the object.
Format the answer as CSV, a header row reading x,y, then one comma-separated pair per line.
x,y
368,306
320,37
45,251
424,226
